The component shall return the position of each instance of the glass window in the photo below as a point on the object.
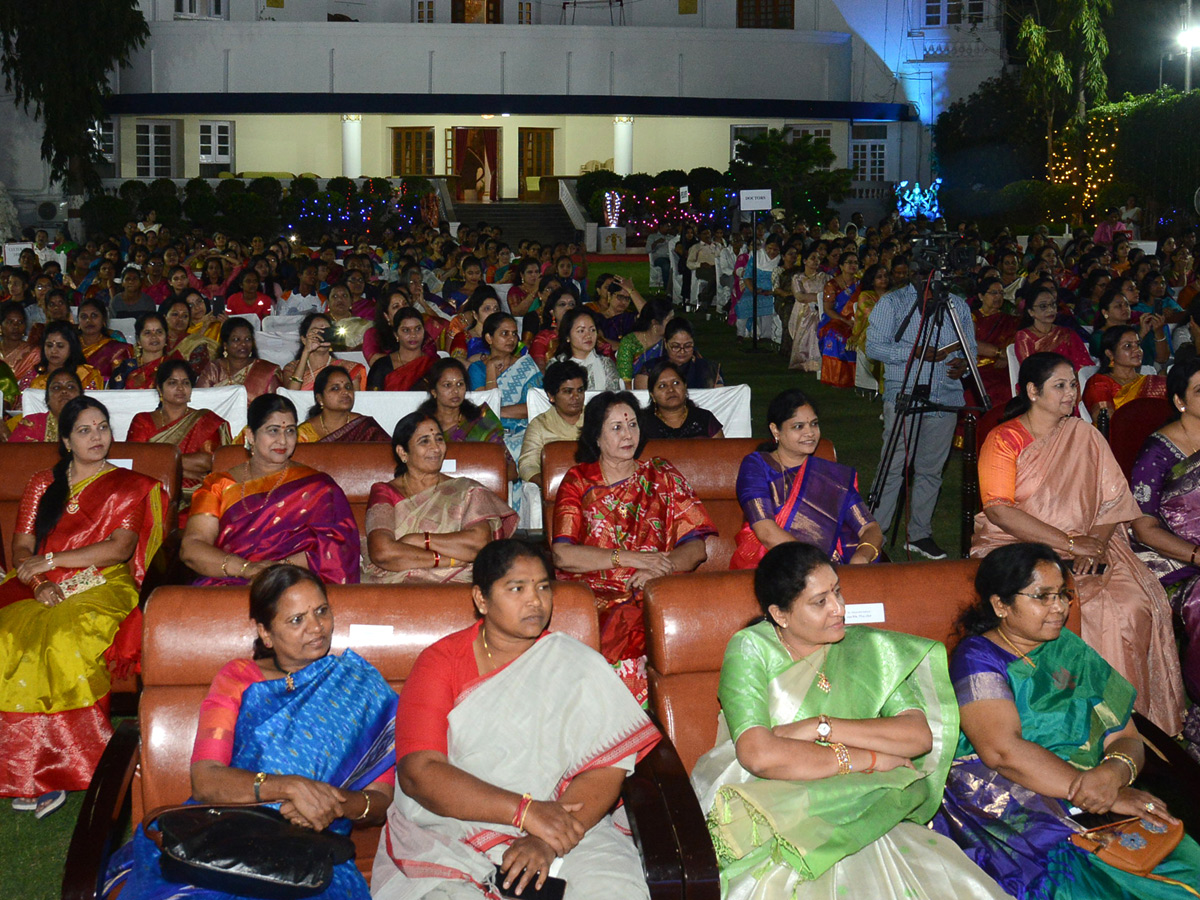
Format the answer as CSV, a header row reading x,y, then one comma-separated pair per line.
x,y
156,149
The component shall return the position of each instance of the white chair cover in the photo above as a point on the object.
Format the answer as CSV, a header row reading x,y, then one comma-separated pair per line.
x,y
389,407
228,402
288,326
730,404
125,326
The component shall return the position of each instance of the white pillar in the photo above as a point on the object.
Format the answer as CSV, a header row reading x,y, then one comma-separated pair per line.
x,y
623,145
352,145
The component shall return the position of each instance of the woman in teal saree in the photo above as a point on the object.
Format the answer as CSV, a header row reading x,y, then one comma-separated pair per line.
x,y
832,751
1046,735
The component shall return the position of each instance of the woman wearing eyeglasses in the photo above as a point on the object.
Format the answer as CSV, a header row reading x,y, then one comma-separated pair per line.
x,y
1043,336
1047,477
1045,728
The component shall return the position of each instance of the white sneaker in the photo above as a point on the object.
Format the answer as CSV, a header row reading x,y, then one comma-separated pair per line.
x,y
24,804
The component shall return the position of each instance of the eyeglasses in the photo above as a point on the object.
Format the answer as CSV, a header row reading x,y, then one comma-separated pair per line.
x,y
681,348
1066,597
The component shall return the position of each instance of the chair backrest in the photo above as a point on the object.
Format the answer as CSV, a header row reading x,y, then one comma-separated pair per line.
x,y
1014,366
690,619
228,402
190,633
1131,424
22,461
710,467
730,404
388,407
356,467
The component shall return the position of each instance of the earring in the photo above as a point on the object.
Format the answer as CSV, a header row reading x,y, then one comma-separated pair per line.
x,y
247,444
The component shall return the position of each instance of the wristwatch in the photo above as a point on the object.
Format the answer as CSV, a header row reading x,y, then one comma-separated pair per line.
x,y
824,729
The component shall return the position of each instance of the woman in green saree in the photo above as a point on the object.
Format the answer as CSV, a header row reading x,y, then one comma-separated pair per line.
x,y
832,751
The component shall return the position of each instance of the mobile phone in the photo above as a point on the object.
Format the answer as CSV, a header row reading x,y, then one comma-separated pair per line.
x,y
329,335
553,889
218,306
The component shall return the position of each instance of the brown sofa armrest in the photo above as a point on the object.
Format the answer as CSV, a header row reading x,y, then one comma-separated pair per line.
x,y
104,818
685,820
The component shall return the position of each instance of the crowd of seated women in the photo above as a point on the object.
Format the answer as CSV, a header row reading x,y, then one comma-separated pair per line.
x,y
1055,527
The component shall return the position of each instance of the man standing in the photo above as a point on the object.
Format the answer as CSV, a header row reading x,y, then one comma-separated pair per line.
x,y
926,437
702,260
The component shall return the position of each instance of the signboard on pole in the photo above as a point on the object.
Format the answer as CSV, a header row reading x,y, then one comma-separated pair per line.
x,y
683,195
755,201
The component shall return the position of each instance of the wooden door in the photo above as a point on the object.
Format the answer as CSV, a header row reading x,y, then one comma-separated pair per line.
x,y
478,12
537,159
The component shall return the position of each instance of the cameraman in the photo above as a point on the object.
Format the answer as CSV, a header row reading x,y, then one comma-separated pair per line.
x,y
926,438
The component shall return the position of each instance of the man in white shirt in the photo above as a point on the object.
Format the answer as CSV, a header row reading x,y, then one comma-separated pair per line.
x,y
659,245
702,259
305,298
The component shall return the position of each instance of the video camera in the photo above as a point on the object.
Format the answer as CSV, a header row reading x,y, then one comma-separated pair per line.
x,y
940,250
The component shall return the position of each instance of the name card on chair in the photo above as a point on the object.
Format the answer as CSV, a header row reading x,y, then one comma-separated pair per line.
x,y
361,634
123,463
864,613
449,466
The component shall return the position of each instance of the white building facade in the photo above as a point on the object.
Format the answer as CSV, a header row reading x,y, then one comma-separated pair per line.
x,y
412,87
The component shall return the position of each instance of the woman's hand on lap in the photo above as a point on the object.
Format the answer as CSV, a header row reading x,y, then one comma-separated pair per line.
x,y
526,861
554,824
49,594
885,762
1132,802
31,566
649,561
1096,790
316,802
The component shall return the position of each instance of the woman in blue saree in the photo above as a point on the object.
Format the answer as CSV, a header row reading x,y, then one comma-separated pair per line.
x,y
789,494
1046,734
508,367
295,726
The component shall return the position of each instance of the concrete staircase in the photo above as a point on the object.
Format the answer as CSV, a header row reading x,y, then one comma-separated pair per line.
x,y
546,223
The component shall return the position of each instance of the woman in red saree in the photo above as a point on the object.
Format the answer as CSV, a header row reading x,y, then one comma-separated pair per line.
x,y
101,350
140,372
316,354
196,350
269,510
1047,477
406,367
22,357
994,331
1120,378
196,432
332,418
237,362
1043,336
85,532
62,386
620,521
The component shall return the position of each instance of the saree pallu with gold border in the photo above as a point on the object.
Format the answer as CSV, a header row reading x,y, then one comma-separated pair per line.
x,y
857,835
532,726
55,661
258,378
196,431
106,354
359,430
300,510
1069,704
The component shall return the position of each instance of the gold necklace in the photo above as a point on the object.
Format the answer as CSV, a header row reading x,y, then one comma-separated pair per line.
x,y
486,649
278,481
1012,646
822,681
287,676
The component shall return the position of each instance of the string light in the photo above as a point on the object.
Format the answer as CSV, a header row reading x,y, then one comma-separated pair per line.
x,y
612,208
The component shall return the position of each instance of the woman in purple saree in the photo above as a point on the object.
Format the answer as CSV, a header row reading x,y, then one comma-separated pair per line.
x,y
270,510
1166,485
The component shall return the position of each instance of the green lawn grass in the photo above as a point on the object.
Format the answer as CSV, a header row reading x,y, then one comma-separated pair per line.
x,y
32,853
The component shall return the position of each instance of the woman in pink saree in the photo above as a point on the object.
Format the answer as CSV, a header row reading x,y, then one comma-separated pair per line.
x,y
270,510
1050,478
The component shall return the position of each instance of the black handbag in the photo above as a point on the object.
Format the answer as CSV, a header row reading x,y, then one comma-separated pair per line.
x,y
246,849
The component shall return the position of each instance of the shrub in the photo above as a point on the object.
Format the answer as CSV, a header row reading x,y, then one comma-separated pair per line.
x,y
268,188
161,187
671,178
640,183
228,188
133,192
304,187
202,208
245,214
197,187
704,178
416,186
591,184
105,213
341,185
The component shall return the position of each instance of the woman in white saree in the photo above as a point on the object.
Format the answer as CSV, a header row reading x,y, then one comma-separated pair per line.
x,y
512,747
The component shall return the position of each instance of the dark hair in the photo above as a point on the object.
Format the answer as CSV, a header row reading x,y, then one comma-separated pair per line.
x,y
405,312
65,373
306,323
403,433
1002,573
565,326
267,589
16,306
560,372
169,367
1178,377
494,321
782,407
321,382
470,260
495,560
468,409
1107,298
1036,368
1108,344
548,309
227,329
89,301
654,372
588,448
54,500
676,325
478,296
264,406
384,331
783,572
70,334
656,309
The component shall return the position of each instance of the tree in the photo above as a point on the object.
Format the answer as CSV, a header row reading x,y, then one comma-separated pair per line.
x,y
1065,47
56,58
792,166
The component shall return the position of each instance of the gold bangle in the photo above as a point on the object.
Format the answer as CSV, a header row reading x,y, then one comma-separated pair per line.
x,y
366,809
225,563
1129,763
615,558
245,566
297,379
872,546
845,767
